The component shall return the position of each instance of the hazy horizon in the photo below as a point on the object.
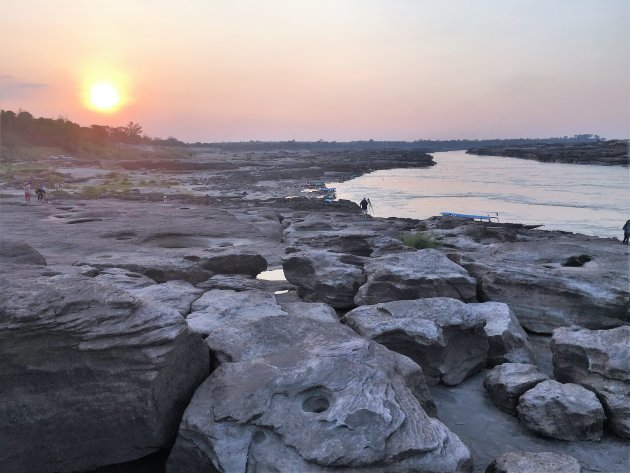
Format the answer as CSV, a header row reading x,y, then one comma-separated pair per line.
x,y
399,70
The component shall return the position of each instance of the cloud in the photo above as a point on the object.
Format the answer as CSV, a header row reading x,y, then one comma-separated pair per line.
x,y
9,84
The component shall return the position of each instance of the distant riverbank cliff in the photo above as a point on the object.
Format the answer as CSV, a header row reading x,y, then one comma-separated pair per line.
x,y
608,153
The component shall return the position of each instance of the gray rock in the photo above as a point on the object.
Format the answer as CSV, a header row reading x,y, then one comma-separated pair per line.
x,y
245,339
507,382
178,295
600,361
235,282
326,277
562,411
16,252
534,462
118,277
508,341
415,275
313,409
89,374
311,310
162,269
233,261
219,308
440,334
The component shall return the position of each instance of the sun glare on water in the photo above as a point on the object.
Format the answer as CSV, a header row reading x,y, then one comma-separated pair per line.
x,y
104,96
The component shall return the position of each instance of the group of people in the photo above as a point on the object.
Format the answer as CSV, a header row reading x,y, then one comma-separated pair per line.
x,y
40,192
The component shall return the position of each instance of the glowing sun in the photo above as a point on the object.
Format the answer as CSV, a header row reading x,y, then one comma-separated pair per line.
x,y
104,96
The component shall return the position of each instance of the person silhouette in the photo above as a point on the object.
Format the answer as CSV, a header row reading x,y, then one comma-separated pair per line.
x,y
364,206
626,232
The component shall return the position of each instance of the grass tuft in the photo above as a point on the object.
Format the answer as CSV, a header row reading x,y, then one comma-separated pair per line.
x,y
419,240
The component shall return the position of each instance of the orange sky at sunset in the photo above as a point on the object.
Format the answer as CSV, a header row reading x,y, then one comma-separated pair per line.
x,y
330,69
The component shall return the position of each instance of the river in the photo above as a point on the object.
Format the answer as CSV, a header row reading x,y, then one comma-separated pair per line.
x,y
588,199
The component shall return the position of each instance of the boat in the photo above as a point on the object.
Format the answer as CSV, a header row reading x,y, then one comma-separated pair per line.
x,y
489,217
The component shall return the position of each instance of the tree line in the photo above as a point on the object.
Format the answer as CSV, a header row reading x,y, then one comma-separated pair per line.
x,y
22,128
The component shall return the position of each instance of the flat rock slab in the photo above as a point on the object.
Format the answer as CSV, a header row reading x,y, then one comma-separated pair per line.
x,y
507,382
313,409
219,308
17,252
312,310
415,275
562,411
441,334
533,462
600,361
177,295
89,374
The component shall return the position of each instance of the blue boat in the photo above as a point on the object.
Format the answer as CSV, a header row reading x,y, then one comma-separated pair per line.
x,y
481,218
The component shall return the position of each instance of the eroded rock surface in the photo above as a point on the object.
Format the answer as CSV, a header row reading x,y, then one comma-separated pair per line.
x,y
313,409
89,374
562,411
414,275
600,361
440,334
178,295
16,252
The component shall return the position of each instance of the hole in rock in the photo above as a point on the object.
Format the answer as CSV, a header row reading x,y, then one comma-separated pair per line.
x,y
259,437
316,404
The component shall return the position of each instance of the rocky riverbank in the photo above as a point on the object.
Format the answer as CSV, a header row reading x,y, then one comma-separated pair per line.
x,y
135,336
606,153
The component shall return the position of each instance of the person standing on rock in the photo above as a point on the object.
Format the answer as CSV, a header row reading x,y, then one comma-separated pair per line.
x,y
364,206
27,192
626,232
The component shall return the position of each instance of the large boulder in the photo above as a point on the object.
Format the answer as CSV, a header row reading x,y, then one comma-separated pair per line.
x,y
322,276
562,411
415,275
534,462
311,310
600,361
313,409
508,341
245,339
17,252
440,334
232,261
89,374
219,308
507,382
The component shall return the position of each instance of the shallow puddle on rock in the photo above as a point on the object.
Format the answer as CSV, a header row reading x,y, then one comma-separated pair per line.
x,y
272,275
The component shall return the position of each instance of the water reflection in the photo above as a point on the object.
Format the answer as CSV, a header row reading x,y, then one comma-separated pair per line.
x,y
594,200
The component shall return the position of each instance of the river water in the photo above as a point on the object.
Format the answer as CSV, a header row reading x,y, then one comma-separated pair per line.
x,y
589,199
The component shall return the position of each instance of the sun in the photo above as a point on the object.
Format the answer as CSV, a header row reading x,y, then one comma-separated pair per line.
x,y
104,96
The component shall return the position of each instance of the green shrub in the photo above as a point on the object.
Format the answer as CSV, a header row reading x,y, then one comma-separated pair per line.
x,y
419,240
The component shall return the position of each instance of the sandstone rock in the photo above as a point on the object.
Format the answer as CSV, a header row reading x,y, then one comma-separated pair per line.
x,y
440,334
414,275
600,361
233,261
534,462
235,282
508,341
562,411
178,295
219,308
313,409
311,310
326,277
507,382
166,268
245,339
16,252
118,277
89,374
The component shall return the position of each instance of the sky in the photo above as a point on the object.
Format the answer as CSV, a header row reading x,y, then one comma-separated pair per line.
x,y
232,70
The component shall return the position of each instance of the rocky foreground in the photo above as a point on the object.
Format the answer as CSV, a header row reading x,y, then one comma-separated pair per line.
x,y
135,336
607,153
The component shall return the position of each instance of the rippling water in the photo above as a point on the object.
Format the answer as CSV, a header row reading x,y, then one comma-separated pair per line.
x,y
594,200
